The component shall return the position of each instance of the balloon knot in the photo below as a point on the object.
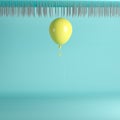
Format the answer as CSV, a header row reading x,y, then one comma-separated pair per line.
x,y
60,46
60,52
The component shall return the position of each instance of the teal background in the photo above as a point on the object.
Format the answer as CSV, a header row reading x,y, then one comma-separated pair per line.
x,y
35,83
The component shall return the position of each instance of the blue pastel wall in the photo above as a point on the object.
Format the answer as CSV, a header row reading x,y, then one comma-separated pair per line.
x,y
89,66
29,61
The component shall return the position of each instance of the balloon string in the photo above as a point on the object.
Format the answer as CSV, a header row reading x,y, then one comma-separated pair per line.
x,y
59,50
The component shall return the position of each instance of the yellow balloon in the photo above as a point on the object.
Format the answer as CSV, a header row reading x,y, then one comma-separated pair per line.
x,y
60,31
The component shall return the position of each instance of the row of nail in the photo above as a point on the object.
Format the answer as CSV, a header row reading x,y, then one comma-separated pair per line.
x,y
60,11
